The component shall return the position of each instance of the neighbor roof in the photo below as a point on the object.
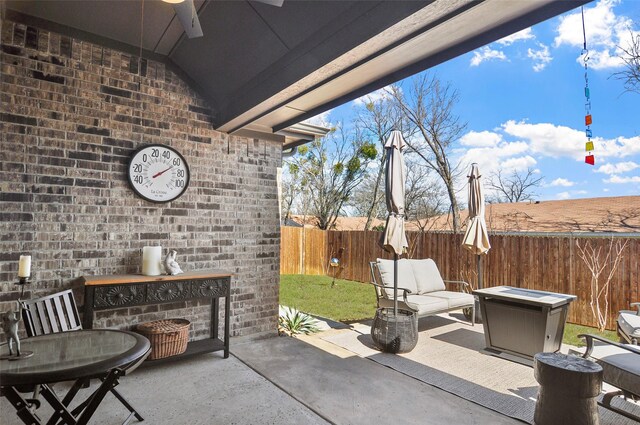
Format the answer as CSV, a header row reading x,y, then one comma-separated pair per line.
x,y
614,214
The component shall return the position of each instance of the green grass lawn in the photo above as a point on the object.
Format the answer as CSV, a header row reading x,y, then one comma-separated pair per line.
x,y
350,301
346,301
572,331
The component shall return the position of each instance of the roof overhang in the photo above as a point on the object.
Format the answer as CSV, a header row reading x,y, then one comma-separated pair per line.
x,y
262,69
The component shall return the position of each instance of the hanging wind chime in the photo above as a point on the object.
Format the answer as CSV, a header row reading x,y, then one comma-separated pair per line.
x,y
589,158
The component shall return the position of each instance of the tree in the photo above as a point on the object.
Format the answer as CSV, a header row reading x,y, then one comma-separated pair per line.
x,y
328,170
376,121
590,253
289,190
429,107
514,187
423,196
631,58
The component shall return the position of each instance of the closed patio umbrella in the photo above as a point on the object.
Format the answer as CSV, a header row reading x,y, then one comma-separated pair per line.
x,y
394,238
476,238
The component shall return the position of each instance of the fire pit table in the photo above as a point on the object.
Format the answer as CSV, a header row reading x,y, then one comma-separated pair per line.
x,y
523,322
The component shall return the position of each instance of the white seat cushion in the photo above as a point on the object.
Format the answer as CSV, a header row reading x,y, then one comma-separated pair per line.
x,y
622,370
454,299
629,324
427,276
406,278
426,305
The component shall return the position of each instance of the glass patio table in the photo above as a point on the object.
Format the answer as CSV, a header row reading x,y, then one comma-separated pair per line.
x,y
71,356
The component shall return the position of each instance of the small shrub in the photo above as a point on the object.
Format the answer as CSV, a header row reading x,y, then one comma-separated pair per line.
x,y
293,322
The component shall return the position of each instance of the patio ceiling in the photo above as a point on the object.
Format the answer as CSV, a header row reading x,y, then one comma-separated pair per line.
x,y
264,68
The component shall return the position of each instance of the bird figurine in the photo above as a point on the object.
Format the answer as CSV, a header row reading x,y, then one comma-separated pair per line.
x,y
171,265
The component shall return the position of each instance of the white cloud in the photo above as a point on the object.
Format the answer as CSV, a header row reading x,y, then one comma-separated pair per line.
x,y
618,168
620,147
481,139
605,31
516,164
548,139
559,141
563,195
602,59
540,57
562,182
372,97
580,192
506,156
622,180
525,34
321,119
485,53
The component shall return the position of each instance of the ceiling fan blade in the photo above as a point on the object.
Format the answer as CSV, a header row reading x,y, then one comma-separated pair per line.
x,y
277,3
188,16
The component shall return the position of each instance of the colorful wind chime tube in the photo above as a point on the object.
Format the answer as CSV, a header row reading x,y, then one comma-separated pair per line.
x,y
588,119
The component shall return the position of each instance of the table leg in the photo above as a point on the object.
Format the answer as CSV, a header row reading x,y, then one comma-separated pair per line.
x,y
60,410
21,406
87,314
215,320
96,398
227,307
68,398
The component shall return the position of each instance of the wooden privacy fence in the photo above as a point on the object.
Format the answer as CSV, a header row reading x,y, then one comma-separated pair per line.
x,y
550,263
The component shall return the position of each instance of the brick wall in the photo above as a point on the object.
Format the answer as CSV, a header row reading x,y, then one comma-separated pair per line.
x,y
71,114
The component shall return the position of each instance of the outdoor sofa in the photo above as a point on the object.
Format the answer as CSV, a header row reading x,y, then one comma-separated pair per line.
x,y
628,325
621,369
421,288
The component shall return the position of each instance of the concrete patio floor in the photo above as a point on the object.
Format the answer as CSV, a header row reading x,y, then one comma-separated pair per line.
x,y
282,380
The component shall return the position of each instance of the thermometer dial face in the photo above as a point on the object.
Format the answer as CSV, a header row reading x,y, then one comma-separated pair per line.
x,y
158,173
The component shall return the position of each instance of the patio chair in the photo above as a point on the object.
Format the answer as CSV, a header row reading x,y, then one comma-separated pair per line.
x,y
628,325
621,369
58,313
421,288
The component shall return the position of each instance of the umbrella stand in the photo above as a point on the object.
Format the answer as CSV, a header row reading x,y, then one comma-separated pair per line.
x,y
395,330
395,284
479,271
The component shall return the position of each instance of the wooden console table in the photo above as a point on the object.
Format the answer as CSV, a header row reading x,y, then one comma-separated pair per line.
x,y
117,291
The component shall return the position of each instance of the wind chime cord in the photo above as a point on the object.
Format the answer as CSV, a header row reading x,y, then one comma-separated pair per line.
x,y
140,61
142,31
584,33
589,158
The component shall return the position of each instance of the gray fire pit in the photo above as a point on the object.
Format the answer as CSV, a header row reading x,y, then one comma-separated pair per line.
x,y
394,334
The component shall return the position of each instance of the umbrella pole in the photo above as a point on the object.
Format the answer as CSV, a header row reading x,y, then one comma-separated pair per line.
x,y
395,284
479,271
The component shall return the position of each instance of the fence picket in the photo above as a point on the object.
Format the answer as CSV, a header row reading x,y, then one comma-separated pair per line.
x,y
539,262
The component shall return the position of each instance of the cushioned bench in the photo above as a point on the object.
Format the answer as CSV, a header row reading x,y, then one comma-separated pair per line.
x,y
629,325
421,289
621,369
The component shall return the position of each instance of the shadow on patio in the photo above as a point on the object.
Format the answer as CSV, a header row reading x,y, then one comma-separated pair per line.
x,y
336,377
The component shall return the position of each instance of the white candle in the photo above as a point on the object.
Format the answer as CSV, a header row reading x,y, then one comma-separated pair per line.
x,y
24,266
151,260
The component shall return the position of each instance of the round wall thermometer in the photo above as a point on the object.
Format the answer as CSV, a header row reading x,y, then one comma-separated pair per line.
x,y
158,173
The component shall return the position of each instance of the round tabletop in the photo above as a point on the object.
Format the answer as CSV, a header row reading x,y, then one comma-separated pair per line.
x,y
72,355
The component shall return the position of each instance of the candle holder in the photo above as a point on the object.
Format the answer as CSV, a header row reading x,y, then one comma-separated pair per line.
x,y
10,322
23,280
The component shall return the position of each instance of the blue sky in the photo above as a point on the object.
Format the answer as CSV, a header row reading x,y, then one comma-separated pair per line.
x,y
523,99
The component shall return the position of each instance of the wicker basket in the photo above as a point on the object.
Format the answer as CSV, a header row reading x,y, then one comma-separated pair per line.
x,y
395,333
168,337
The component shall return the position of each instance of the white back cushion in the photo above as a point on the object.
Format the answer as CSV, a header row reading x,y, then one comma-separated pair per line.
x,y
406,277
427,276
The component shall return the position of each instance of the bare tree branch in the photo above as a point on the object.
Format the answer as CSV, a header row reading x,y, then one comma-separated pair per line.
x,y
429,107
514,187
631,58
